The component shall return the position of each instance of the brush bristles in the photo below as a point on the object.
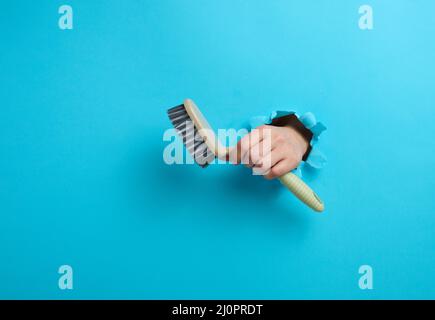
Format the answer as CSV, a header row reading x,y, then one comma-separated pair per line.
x,y
187,131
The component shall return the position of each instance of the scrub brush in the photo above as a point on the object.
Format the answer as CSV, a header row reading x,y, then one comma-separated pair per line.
x,y
200,140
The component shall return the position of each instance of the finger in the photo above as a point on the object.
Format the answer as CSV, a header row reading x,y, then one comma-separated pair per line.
x,y
244,144
259,151
279,169
263,166
253,156
278,140
236,152
269,160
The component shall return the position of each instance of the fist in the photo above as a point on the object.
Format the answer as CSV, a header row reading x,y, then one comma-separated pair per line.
x,y
270,151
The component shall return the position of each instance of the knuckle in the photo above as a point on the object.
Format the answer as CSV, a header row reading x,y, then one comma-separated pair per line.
x,y
275,172
279,138
244,147
254,158
266,161
292,157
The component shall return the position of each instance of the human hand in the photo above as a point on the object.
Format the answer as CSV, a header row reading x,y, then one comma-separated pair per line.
x,y
270,151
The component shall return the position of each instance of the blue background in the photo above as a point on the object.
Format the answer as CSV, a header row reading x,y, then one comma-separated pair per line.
x,y
83,182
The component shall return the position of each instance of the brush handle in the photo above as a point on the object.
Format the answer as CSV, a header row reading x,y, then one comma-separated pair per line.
x,y
302,191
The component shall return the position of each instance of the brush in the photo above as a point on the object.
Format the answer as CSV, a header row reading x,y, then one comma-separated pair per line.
x,y
200,140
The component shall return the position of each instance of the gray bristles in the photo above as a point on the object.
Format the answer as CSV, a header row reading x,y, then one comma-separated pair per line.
x,y
189,134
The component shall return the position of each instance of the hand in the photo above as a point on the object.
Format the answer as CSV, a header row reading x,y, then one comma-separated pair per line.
x,y
270,151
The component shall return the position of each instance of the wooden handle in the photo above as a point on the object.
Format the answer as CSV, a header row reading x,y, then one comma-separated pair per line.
x,y
302,191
